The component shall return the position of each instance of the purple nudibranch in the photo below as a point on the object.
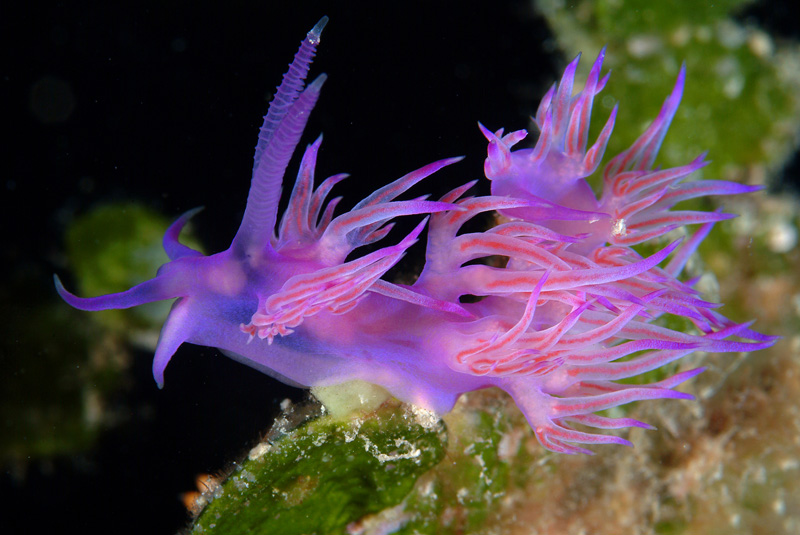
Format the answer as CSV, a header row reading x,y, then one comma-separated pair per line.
x,y
570,314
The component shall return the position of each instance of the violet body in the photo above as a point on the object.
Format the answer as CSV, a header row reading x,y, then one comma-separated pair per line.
x,y
573,309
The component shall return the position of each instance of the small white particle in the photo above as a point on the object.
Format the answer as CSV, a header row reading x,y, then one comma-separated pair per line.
x,y
351,434
703,34
427,491
509,445
620,228
729,71
779,506
782,237
681,36
641,46
259,450
730,34
427,419
760,44
789,463
240,485
248,476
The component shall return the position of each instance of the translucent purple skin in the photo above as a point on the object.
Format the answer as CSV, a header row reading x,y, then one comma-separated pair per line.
x,y
553,327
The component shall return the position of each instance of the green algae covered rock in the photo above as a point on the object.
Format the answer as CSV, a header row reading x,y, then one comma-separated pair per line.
x,y
396,469
325,475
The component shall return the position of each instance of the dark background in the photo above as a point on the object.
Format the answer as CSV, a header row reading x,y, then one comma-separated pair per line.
x,y
161,102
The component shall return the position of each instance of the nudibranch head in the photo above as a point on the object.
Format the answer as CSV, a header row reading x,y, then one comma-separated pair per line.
x,y
562,324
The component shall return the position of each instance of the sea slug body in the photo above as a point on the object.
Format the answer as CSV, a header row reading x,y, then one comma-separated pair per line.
x,y
573,310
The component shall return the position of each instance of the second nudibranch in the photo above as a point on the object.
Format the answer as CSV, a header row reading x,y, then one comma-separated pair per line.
x,y
573,310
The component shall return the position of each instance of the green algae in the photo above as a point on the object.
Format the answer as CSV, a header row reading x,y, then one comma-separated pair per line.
x,y
54,378
462,493
395,470
325,475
